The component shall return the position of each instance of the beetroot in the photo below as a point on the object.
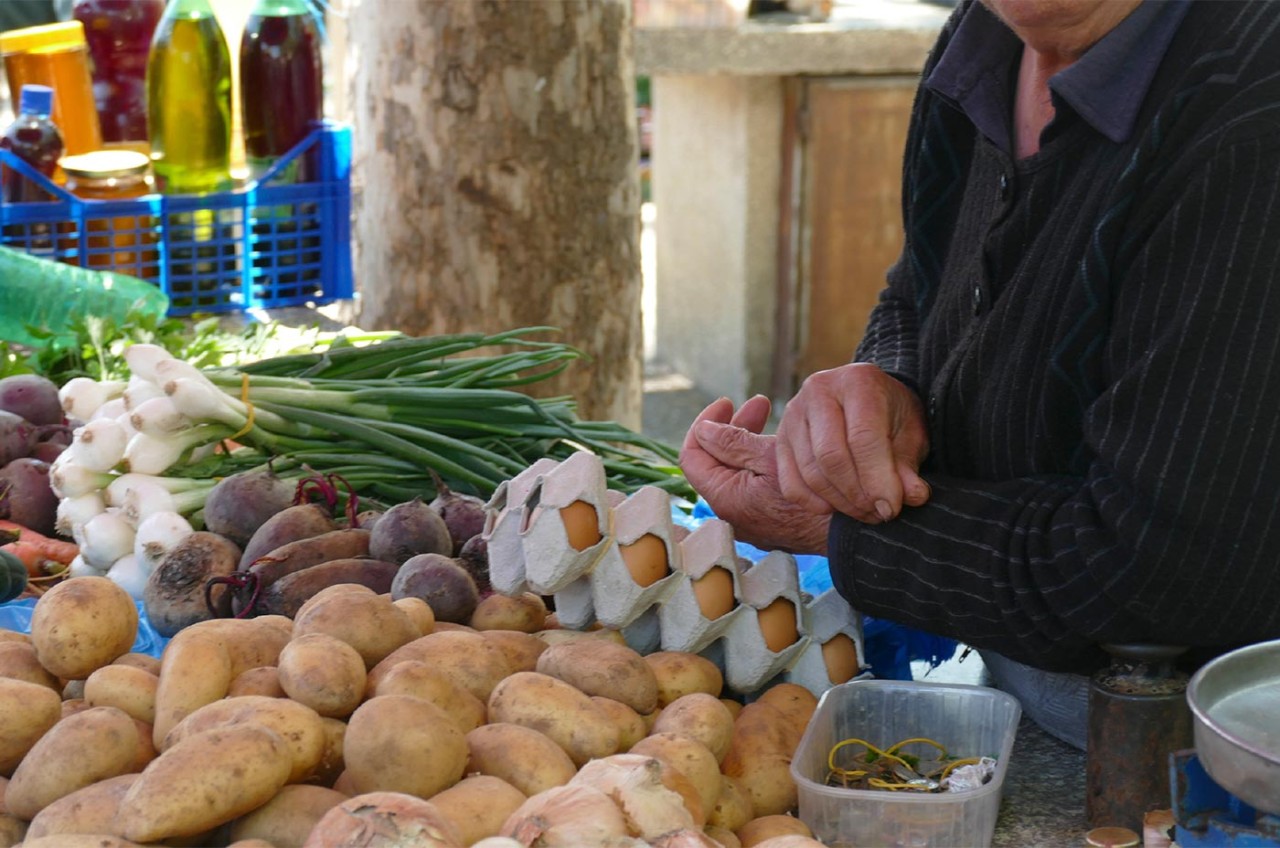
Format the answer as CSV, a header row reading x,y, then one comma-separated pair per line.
x,y
238,505
408,529
17,437
474,558
25,496
297,522
462,514
442,583
32,397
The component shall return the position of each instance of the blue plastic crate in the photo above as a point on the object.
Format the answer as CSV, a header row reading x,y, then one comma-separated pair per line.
x,y
268,244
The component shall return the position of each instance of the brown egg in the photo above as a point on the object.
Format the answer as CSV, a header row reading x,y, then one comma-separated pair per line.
x,y
646,559
778,624
841,658
581,525
714,592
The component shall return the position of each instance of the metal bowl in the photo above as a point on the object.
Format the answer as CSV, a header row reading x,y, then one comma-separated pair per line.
x,y
1235,708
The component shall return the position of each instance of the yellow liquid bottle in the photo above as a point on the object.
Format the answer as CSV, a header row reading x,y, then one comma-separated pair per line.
x,y
189,100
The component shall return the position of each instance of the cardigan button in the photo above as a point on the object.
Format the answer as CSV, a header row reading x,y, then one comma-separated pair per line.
x,y
933,406
977,300
1004,186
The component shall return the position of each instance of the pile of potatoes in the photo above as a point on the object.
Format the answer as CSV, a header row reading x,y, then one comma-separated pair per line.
x,y
362,721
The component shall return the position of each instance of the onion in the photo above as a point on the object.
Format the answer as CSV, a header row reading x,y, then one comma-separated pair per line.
x,y
201,401
144,358
99,445
158,533
82,396
685,838
80,568
71,480
128,574
158,416
635,783
151,455
107,537
571,816
139,392
75,512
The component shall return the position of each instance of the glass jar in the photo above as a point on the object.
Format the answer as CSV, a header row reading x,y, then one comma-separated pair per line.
x,y
56,55
119,33
124,243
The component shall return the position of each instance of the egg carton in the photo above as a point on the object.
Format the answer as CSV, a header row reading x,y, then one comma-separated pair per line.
x,y
829,616
749,662
504,515
685,627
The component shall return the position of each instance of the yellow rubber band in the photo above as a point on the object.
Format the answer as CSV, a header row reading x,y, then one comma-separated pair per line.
x,y
244,398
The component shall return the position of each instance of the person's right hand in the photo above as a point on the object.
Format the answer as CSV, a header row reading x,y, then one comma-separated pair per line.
x,y
852,440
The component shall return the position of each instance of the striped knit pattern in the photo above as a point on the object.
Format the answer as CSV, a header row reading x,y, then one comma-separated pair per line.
x,y
1095,332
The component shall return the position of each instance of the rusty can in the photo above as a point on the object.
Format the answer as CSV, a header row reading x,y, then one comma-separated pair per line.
x,y
1138,716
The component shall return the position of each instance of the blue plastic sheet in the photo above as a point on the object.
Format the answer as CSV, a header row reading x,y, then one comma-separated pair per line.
x,y
890,647
16,615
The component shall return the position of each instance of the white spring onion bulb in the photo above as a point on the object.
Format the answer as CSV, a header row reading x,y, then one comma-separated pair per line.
x,y
99,445
81,396
80,568
150,455
202,401
76,512
158,416
107,537
174,369
128,574
139,392
113,408
71,480
144,358
158,534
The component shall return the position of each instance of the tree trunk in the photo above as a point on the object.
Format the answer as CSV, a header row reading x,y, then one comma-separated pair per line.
x,y
496,166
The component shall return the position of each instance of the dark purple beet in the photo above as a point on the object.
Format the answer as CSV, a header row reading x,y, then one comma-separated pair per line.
x,y
442,583
408,529
17,437
462,514
238,505
32,397
25,496
47,451
474,557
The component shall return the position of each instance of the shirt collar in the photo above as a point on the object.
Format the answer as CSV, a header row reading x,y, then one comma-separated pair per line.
x,y
1105,86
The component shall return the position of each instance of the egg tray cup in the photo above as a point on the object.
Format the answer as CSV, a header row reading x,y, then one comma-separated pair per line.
x,y
684,626
829,615
504,516
749,663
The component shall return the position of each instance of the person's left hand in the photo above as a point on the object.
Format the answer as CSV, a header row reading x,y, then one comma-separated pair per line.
x,y
735,468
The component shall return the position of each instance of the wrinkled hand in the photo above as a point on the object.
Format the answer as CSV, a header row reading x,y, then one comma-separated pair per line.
x,y
852,440
734,467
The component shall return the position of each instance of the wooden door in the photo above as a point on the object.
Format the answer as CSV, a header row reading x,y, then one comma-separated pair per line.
x,y
841,226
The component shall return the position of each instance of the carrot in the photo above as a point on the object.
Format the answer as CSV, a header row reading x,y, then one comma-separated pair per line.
x,y
33,544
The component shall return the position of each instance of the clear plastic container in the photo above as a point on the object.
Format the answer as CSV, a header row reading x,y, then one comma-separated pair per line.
x,y
970,721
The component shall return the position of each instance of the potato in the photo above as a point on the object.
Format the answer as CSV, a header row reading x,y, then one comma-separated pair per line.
x,y
759,758
146,751
7,635
331,761
205,780
419,612
678,673
761,726
603,668
369,623
526,613
688,756
523,757
194,671
250,642
556,635
91,809
146,662
467,659
734,707
733,808
93,745
384,820
12,830
521,649
71,706
325,673
698,716
73,689
795,702
330,591
395,743
724,837
123,687
760,829
790,840
297,724
478,806
80,625
419,680
18,661
288,818
80,840
630,724
557,709
263,680
27,710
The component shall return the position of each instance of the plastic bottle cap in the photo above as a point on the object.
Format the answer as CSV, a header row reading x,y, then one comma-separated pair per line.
x,y
1112,837
101,164
46,37
36,100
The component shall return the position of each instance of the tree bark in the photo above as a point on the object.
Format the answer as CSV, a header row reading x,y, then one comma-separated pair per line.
x,y
496,170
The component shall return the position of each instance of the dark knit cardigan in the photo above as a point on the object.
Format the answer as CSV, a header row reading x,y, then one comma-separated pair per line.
x,y
1094,332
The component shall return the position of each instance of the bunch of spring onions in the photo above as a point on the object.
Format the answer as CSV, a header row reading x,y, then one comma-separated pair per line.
x,y
380,417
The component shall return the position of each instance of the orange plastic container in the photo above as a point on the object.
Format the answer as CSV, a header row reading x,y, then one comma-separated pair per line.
x,y
56,55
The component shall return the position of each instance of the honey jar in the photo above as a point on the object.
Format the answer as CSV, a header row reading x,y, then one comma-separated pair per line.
x,y
123,243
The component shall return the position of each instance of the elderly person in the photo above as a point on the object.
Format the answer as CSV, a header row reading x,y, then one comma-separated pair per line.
x,y
1062,428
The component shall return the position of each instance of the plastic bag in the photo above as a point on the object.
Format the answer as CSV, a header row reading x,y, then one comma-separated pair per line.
x,y
16,615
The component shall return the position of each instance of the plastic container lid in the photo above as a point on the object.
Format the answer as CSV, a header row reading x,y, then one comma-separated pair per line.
x,y
36,100
59,36
103,164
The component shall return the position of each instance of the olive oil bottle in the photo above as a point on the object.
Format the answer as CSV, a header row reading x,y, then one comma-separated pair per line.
x,y
189,100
